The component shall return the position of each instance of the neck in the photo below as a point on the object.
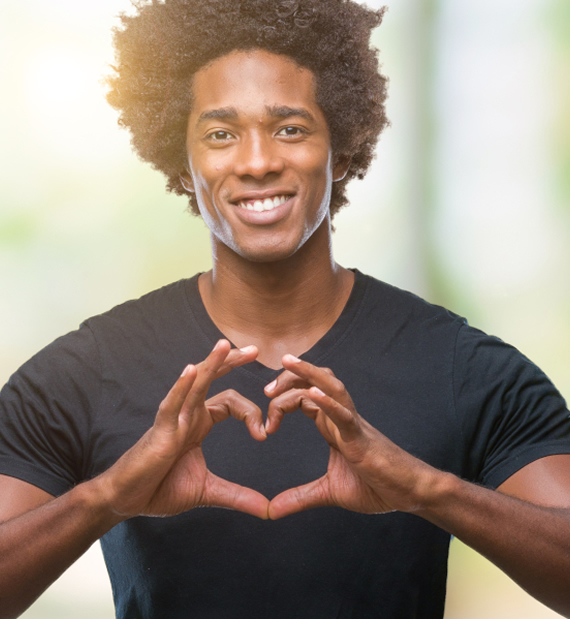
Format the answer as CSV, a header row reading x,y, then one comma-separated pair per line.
x,y
282,306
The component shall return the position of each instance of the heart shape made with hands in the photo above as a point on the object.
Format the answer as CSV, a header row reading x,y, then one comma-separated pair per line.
x,y
185,419
165,472
346,482
291,454
366,472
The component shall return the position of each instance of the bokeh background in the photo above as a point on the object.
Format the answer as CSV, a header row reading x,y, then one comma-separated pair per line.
x,y
468,203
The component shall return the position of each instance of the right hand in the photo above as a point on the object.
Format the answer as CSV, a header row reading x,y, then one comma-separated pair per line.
x,y
366,471
165,473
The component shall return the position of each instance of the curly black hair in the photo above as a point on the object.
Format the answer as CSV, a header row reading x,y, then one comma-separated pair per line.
x,y
159,50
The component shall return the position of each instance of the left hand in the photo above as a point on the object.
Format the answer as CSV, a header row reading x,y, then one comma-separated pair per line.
x,y
165,472
366,471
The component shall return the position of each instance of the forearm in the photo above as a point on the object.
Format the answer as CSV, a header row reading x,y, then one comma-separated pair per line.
x,y
37,546
528,542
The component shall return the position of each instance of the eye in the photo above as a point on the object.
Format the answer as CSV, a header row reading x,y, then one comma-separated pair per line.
x,y
291,131
219,136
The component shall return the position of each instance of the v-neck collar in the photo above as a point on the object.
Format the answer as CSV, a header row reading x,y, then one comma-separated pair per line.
x,y
321,349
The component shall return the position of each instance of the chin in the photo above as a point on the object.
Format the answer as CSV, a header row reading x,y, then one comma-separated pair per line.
x,y
268,255
266,252
266,248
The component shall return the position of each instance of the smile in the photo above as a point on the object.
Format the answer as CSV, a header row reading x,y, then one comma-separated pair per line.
x,y
266,204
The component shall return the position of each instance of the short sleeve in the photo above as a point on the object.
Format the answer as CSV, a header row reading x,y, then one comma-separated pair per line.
x,y
510,412
44,413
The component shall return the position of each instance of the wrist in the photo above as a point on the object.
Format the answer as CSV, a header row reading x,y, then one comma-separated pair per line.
x,y
96,498
435,491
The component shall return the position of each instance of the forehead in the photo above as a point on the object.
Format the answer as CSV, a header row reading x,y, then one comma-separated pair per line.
x,y
250,80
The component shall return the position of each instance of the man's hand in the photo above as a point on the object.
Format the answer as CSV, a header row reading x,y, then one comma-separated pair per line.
x,y
165,473
366,471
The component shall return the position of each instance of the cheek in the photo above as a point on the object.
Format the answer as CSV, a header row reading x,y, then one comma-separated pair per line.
x,y
206,182
317,164
319,177
205,197
213,175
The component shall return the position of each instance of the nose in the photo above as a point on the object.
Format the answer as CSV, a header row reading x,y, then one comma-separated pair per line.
x,y
257,156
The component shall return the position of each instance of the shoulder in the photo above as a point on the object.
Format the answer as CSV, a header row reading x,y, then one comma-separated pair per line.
x,y
155,317
477,356
399,312
45,409
162,304
76,362
394,300
438,341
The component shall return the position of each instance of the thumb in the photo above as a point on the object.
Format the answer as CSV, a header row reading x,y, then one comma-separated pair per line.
x,y
311,495
225,494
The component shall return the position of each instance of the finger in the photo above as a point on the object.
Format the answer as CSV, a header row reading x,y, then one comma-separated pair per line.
x,y
285,381
288,380
225,494
312,495
237,357
170,407
206,373
288,403
346,420
319,377
230,402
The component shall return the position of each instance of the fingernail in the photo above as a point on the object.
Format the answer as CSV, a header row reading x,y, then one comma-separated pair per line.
x,y
271,386
186,370
247,349
317,392
291,358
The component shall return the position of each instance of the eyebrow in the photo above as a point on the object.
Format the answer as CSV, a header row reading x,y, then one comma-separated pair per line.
x,y
231,114
222,114
287,112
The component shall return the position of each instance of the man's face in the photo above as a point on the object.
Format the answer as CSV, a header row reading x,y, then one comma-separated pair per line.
x,y
259,154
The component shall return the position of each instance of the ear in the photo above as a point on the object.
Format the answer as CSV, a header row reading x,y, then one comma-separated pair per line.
x,y
340,167
187,181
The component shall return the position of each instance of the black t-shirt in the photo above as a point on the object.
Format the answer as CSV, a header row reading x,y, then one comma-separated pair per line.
x,y
460,400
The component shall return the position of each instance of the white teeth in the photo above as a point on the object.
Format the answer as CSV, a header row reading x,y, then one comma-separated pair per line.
x,y
263,205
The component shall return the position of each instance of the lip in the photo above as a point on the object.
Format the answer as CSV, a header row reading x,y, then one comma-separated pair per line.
x,y
263,218
260,195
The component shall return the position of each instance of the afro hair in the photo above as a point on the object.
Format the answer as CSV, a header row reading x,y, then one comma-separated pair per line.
x,y
161,47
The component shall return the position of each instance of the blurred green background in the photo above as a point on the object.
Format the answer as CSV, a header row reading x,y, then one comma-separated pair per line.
x,y
468,203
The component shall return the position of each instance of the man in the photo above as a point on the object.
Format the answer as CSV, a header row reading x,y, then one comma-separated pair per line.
x,y
261,112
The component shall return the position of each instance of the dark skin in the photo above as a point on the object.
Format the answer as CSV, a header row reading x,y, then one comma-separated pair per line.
x,y
253,137
292,317
523,527
256,134
163,474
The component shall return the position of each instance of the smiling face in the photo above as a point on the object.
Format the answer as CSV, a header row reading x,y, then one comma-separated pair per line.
x,y
259,154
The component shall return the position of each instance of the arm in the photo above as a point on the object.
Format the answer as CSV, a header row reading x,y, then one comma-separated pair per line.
x,y
518,528
368,473
163,474
39,538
